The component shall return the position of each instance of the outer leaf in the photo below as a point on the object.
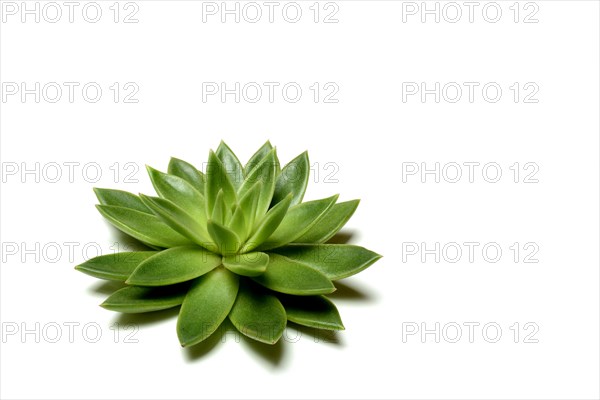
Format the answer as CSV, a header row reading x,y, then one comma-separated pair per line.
x,y
258,314
177,219
330,223
298,220
179,264
135,299
335,261
314,311
288,276
247,264
269,223
120,198
257,157
116,266
232,164
265,172
179,192
145,227
293,179
188,172
206,306
226,240
217,179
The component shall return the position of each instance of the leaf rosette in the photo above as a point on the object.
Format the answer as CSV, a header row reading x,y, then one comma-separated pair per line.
x,y
234,242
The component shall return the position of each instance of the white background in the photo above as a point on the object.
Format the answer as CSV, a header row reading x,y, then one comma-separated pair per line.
x,y
368,136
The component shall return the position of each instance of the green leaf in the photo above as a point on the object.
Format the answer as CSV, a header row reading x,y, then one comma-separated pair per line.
x,y
293,179
206,306
188,172
175,265
248,204
217,179
291,277
136,299
116,266
264,172
330,223
298,220
178,219
258,314
257,157
226,240
232,164
335,261
142,226
313,311
179,192
120,198
269,223
220,210
238,222
247,264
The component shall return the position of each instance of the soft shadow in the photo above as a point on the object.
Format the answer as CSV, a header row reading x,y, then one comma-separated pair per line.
x,y
341,238
273,354
198,351
147,318
318,335
106,287
351,291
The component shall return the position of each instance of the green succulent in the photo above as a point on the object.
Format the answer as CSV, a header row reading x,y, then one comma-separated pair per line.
x,y
235,242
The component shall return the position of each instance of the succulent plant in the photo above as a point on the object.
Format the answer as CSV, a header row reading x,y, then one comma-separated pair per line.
x,y
235,242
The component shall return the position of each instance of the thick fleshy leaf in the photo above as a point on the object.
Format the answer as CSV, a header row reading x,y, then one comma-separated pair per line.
x,y
247,264
136,299
293,179
179,192
220,210
248,203
288,276
188,172
264,172
217,179
298,220
313,311
232,164
258,314
335,261
178,219
206,306
120,198
237,223
269,223
225,239
257,157
330,223
175,265
116,266
145,227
